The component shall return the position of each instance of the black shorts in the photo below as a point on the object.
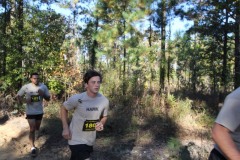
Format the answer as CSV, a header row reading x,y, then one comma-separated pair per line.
x,y
37,116
216,155
80,151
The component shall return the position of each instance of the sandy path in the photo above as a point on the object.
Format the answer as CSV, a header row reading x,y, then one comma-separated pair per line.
x,y
14,143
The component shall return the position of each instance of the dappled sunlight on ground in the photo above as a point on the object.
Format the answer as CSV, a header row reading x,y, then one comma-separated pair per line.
x,y
11,132
14,143
147,140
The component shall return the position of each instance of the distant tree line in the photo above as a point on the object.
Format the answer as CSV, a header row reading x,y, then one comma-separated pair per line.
x,y
129,41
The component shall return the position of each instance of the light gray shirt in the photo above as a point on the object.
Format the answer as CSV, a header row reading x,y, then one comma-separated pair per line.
x,y
229,116
87,111
30,90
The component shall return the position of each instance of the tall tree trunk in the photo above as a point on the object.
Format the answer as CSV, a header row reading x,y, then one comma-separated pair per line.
x,y
163,49
124,60
225,50
4,37
169,61
20,36
150,45
237,46
95,44
193,66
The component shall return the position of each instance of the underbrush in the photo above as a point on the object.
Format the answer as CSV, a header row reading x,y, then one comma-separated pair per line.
x,y
149,112
155,119
189,113
7,103
147,120
52,109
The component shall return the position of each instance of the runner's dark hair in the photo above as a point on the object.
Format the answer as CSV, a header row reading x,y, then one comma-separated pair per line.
x,y
91,73
34,73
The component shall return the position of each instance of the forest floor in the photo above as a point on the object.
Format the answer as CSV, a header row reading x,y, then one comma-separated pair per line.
x,y
137,145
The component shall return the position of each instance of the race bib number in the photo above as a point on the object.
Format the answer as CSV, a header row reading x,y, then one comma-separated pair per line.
x,y
35,98
89,125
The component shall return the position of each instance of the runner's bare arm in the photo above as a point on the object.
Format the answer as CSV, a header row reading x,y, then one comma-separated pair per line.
x,y
64,117
41,93
222,137
103,120
100,125
19,99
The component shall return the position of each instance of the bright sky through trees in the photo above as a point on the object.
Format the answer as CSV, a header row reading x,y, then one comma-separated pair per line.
x,y
177,25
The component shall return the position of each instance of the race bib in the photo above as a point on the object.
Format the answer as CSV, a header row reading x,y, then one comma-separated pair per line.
x,y
89,125
35,98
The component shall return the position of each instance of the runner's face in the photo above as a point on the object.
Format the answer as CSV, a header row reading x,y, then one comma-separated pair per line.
x,y
35,79
93,85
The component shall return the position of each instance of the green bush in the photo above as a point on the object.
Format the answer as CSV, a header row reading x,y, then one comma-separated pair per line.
x,y
55,86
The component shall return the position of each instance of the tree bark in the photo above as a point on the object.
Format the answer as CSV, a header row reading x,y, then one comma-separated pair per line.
x,y
237,46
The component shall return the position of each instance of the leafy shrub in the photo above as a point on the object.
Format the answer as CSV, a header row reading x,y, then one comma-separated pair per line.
x,y
55,86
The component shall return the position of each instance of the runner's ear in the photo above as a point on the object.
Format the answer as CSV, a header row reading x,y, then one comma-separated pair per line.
x,y
85,85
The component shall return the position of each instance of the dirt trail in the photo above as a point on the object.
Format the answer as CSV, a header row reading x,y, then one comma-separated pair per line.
x,y
11,131
14,143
